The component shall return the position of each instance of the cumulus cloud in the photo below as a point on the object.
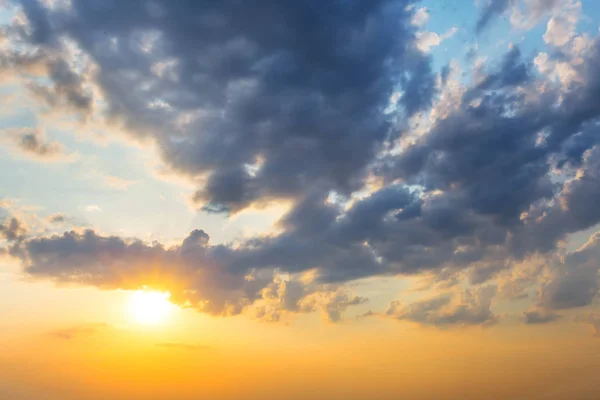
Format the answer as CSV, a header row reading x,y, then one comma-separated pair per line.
x,y
12,229
197,274
57,218
309,102
468,308
573,281
296,90
561,27
427,40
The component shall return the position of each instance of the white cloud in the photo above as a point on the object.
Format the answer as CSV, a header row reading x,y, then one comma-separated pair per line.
x,y
427,40
561,27
420,17
93,208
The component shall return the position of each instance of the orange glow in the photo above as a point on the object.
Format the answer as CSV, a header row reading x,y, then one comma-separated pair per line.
x,y
150,308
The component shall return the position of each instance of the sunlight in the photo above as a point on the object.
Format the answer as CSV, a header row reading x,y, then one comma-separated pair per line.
x,y
150,308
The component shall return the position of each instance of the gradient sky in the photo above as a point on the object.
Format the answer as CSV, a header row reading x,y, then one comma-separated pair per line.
x,y
375,199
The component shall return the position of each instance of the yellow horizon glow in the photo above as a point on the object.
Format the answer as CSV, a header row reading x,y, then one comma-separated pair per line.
x,y
150,308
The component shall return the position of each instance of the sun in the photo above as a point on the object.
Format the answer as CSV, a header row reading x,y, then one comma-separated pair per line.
x,y
150,308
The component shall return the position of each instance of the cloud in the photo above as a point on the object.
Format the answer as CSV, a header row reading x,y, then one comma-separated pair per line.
x,y
57,218
197,274
561,27
295,89
534,317
470,308
420,17
12,230
427,40
573,281
93,208
31,143
79,331
313,103
528,13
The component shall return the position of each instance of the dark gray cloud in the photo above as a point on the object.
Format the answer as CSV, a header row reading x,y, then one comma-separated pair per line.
x,y
269,100
194,272
574,280
12,229
298,86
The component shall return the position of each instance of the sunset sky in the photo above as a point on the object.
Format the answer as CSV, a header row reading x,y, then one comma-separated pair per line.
x,y
308,199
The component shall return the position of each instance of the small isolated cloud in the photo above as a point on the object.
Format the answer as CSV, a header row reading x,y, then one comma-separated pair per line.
x,y
181,346
32,144
540,316
12,230
93,208
57,218
79,331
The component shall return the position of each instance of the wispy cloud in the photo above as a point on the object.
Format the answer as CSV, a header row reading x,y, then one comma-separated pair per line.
x,y
79,331
32,144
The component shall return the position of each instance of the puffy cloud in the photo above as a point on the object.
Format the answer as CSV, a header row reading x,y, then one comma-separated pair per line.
x,y
561,27
296,89
197,274
308,101
427,40
574,280
12,229
470,308
420,17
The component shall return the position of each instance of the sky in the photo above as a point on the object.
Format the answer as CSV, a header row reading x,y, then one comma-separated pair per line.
x,y
356,199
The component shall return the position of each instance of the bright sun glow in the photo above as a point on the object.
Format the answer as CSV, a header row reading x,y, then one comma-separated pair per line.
x,y
150,308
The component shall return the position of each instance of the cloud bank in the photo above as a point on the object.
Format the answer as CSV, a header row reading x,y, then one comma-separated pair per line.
x,y
310,102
